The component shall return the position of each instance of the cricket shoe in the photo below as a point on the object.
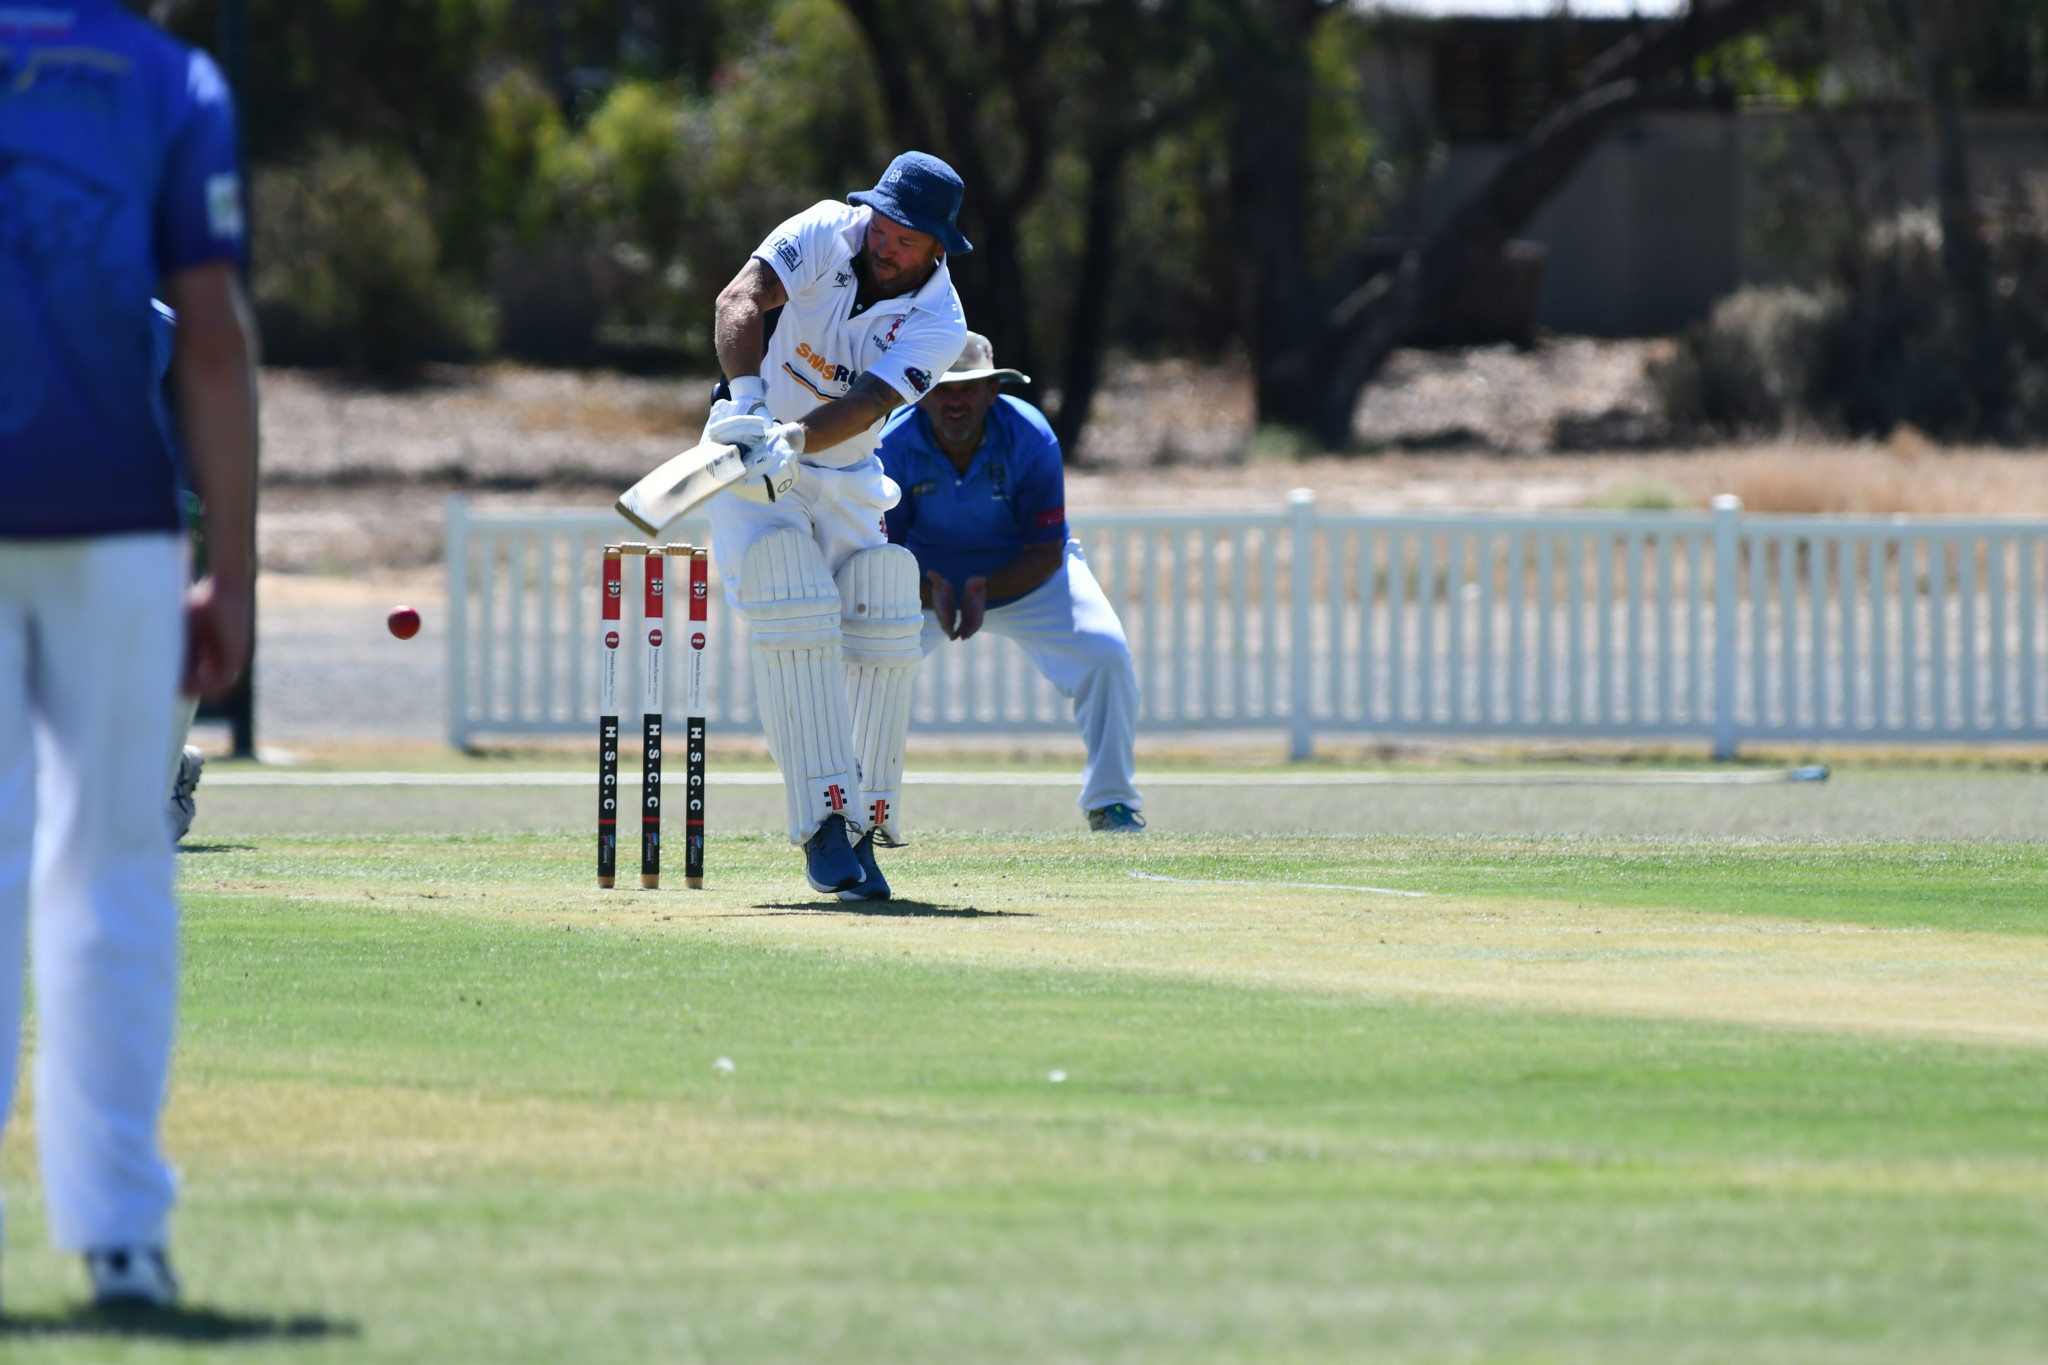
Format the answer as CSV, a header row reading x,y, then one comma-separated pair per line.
x,y
131,1276
875,887
1115,818
829,862
184,806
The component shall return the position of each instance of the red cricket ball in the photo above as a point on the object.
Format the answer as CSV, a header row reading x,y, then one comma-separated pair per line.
x,y
404,622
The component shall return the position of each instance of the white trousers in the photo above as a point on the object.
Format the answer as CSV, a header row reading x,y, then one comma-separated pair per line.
x,y
91,640
840,509
1071,634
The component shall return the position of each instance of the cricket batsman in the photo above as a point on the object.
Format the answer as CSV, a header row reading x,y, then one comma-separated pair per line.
x,y
868,320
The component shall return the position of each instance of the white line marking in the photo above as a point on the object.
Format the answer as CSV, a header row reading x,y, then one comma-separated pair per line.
x,y
1312,886
300,778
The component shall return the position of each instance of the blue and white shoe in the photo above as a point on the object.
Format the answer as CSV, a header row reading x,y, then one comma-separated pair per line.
x,y
1115,818
184,805
876,886
131,1277
829,862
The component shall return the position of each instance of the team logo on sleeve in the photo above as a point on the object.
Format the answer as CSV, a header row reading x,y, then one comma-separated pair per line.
x,y
919,379
224,205
786,252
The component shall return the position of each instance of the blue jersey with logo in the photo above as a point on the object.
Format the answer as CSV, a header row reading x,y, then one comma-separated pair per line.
x,y
968,525
117,168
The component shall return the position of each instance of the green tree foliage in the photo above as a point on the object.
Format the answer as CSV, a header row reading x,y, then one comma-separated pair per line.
x,y
1170,175
348,265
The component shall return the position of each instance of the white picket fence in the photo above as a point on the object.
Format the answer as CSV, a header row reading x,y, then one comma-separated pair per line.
x,y
1716,625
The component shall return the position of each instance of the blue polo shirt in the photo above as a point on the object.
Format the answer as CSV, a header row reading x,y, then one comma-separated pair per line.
x,y
1013,494
117,168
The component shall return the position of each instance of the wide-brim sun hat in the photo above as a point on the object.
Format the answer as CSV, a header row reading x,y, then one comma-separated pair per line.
x,y
978,361
922,192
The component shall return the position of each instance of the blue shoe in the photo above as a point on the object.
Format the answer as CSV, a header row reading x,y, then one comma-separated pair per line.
x,y
124,1276
876,887
829,864
1116,818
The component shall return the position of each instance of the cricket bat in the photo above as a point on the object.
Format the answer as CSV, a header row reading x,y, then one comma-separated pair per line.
x,y
680,484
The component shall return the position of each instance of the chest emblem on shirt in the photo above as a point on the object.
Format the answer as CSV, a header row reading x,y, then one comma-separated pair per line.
x,y
925,489
888,339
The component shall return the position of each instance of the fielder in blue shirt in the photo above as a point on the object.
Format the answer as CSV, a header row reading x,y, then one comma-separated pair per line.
x,y
984,510
118,183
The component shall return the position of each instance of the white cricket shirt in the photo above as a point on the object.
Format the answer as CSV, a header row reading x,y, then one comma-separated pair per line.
x,y
821,345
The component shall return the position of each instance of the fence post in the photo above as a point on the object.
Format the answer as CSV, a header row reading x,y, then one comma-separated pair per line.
x,y
455,573
1301,506
1727,593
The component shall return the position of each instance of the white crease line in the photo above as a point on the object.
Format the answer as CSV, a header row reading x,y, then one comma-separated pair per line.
x,y
1312,886
261,778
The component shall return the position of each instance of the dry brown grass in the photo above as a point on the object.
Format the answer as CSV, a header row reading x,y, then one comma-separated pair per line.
x,y
1906,476
676,416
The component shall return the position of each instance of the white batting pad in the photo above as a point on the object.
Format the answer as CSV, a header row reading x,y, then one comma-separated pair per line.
x,y
792,608
881,620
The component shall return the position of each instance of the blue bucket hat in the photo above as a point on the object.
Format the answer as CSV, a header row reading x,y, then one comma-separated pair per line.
x,y
922,192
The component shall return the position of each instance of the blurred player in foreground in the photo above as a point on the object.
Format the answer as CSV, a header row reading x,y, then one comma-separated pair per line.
x,y
118,177
868,318
984,510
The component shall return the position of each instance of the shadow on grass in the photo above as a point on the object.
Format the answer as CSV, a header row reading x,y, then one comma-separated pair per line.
x,y
890,909
173,1324
216,848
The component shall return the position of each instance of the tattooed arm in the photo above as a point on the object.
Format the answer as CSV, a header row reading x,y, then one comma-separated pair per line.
x,y
737,326
866,403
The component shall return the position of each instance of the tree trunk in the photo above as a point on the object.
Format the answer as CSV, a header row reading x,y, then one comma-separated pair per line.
x,y
994,287
1272,85
1930,29
933,107
1082,373
1338,353
1364,328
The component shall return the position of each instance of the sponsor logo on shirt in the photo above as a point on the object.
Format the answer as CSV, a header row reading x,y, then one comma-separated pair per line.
x,y
1052,516
925,489
80,69
884,342
786,252
837,374
37,19
919,379
841,278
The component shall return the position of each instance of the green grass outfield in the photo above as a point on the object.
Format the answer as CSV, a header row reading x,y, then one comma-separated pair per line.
x,y
1587,1098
